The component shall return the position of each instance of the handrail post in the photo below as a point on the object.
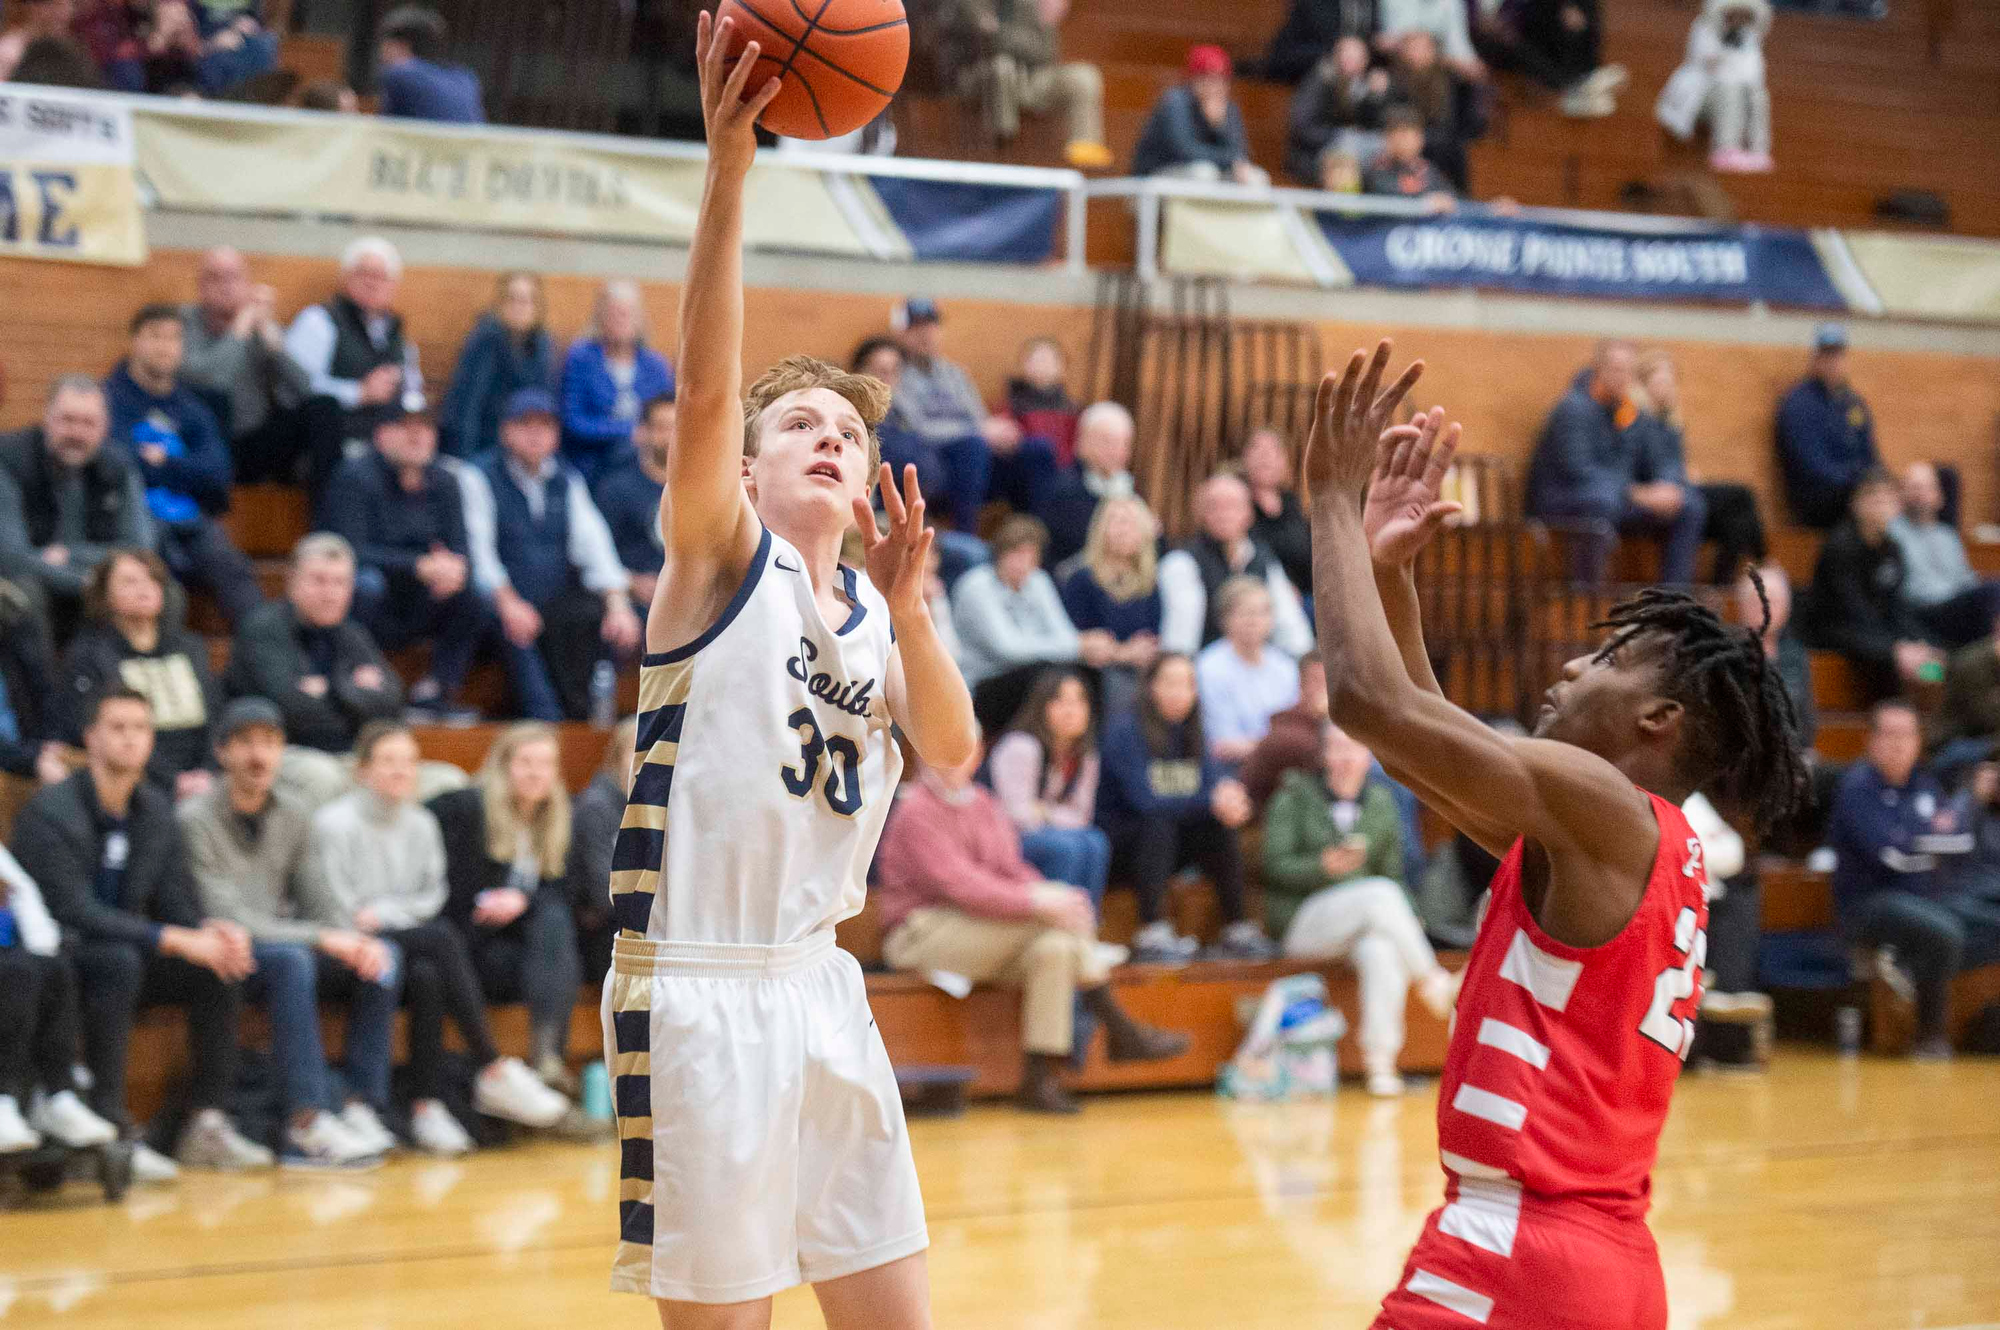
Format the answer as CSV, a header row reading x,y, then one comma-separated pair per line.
x,y
1148,200
1076,228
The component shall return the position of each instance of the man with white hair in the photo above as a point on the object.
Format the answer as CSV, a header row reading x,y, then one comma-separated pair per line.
x,y
353,349
1192,572
1103,470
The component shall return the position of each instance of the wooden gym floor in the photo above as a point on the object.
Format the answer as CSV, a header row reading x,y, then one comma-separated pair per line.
x,y
1855,1194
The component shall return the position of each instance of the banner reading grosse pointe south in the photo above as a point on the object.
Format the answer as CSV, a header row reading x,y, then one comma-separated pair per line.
x,y
375,170
66,185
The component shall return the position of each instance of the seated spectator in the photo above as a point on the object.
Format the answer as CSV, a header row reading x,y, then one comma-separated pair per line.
x,y
38,1027
595,815
1008,57
509,864
1044,772
1591,469
183,463
1038,401
1856,605
416,83
31,749
1166,805
125,642
541,550
1444,21
1968,720
1295,739
1312,29
1732,520
1280,525
1722,81
113,867
1010,622
251,850
40,20
402,513
607,376
66,501
629,498
1103,470
1223,548
1195,131
1112,597
174,47
1826,435
937,465
384,862
1244,681
1892,828
355,355
983,454
1333,888
508,349
957,895
309,656
1338,108
1419,79
233,351
1402,170
1556,43
1955,605
1781,642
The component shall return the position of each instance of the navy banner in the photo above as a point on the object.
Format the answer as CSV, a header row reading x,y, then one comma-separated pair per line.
x,y
1721,263
979,223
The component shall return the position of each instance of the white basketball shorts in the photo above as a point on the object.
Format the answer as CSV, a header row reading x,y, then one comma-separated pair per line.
x,y
759,1124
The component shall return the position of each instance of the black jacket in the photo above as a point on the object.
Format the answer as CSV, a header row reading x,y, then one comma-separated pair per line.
x,y
27,664
269,658
175,678
115,510
469,870
389,527
1856,606
58,842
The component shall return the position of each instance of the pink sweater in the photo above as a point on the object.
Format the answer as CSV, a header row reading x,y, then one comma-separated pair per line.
x,y
1014,766
962,856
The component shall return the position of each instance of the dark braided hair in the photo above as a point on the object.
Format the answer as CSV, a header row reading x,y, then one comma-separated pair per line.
x,y
1739,743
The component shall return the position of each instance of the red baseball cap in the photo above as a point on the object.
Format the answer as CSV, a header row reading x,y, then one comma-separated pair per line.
x,y
1207,61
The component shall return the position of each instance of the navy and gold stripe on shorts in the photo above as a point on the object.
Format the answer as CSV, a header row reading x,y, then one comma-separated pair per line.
x,y
632,1100
640,850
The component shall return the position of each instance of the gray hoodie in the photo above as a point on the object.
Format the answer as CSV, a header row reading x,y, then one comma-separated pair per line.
x,y
386,857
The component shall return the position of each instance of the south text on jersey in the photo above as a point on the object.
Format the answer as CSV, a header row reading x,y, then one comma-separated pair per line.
x,y
852,697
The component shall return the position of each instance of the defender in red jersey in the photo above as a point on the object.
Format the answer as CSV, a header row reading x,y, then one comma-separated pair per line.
x,y
1578,1005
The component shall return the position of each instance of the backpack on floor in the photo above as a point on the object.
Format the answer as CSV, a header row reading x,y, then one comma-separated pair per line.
x,y
1290,1048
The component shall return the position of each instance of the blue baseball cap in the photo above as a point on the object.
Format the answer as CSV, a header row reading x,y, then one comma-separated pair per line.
x,y
529,402
1830,337
920,309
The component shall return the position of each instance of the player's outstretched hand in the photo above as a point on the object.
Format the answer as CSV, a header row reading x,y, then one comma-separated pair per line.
x,y
898,561
1404,510
730,120
1349,414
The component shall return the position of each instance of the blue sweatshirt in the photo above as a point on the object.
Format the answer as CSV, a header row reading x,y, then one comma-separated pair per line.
x,y
492,367
1826,443
1887,837
420,90
1091,606
1583,461
195,477
1136,782
596,423
630,502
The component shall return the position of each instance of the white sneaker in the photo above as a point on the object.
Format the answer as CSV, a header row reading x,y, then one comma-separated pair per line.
x,y
1110,955
507,1089
365,1127
1437,991
1385,1084
211,1141
16,1135
150,1168
323,1145
435,1131
64,1116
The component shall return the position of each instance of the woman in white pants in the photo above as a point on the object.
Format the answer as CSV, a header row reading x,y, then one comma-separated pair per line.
x,y
1333,862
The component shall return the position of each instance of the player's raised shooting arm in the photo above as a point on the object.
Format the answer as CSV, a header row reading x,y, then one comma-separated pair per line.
x,y
1576,806
703,509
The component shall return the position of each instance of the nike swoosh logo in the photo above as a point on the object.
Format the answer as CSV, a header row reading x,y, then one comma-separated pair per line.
x,y
780,561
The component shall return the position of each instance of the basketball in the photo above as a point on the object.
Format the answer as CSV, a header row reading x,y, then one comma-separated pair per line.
x,y
840,60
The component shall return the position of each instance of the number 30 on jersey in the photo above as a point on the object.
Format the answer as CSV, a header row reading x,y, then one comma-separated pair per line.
x,y
842,754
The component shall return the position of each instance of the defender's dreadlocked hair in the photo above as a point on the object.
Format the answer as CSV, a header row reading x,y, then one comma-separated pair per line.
x,y
1740,742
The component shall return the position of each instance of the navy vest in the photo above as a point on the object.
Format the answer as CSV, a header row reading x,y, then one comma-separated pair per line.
x,y
1215,570
534,551
354,355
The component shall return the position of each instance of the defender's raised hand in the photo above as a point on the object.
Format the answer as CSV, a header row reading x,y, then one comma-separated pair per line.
x,y
1349,414
1403,510
730,120
899,561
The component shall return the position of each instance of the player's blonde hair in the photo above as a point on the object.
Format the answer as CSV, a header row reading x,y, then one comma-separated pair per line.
x,y
868,395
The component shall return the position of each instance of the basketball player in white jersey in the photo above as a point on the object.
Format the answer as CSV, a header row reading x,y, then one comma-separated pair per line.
x,y
760,1126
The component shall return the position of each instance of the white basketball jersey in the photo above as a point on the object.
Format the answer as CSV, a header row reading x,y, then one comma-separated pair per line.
x,y
765,767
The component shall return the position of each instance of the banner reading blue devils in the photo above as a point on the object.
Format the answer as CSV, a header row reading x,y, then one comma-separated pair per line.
x,y
1720,263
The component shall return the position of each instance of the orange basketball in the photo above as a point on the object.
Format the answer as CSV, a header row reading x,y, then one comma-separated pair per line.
x,y
840,60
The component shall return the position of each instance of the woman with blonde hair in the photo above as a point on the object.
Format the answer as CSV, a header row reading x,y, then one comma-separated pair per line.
x,y
1113,598
509,865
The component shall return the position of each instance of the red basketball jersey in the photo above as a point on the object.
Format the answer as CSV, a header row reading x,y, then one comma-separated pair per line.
x,y
1563,1058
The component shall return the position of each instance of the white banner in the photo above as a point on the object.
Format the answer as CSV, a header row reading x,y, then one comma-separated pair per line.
x,y
66,185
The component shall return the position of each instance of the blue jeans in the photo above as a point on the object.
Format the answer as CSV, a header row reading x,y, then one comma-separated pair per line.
x,y
1080,856
1680,538
290,979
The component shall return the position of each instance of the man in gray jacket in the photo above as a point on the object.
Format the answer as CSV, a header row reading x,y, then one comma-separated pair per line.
x,y
250,845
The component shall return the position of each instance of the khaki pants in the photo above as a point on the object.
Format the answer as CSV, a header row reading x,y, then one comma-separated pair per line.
x,y
1049,965
1005,90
